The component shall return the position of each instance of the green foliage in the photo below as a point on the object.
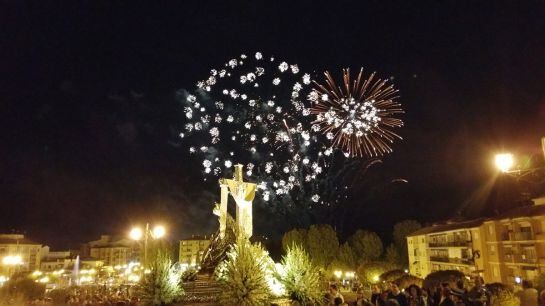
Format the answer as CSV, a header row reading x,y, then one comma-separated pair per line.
x,y
502,295
295,236
163,284
22,288
369,272
322,244
346,258
391,275
300,277
367,245
435,279
401,231
406,280
243,275
392,256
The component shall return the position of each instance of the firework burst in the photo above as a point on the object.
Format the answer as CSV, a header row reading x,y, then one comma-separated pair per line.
x,y
357,117
252,111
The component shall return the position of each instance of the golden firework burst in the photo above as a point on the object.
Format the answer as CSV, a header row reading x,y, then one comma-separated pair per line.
x,y
358,117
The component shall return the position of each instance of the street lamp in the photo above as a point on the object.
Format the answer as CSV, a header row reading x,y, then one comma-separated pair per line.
x,y
12,261
137,233
159,231
504,162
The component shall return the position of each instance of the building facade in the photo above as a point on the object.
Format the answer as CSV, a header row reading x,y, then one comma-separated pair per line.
x,y
192,250
508,248
26,250
112,251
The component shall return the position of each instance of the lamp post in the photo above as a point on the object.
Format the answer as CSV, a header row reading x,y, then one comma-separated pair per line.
x,y
138,234
12,261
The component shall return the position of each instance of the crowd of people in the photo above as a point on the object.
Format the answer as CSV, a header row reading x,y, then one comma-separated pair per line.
x,y
444,294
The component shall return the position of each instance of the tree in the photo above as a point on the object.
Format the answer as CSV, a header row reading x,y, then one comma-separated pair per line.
x,y
300,277
346,258
392,256
370,271
401,231
243,275
367,245
163,284
502,295
322,244
436,278
22,287
294,237
391,275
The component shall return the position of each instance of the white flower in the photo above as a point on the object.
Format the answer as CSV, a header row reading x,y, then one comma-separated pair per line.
x,y
258,55
206,163
276,81
182,135
294,69
315,198
230,118
204,149
228,163
233,63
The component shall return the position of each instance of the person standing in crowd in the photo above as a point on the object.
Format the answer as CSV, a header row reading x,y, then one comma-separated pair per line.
x,y
458,296
382,300
415,297
334,291
528,295
375,294
446,300
397,295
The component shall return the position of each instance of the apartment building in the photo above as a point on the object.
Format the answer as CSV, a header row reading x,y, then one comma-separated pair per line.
x,y
507,248
25,250
112,251
192,250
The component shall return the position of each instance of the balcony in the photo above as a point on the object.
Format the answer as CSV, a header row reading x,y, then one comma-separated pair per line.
x,y
519,258
455,243
459,261
517,236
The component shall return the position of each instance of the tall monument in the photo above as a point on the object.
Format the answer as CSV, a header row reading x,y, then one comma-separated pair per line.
x,y
243,193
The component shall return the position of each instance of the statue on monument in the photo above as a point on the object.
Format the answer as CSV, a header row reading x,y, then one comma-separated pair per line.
x,y
243,193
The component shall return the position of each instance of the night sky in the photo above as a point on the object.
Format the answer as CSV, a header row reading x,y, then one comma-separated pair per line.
x,y
90,120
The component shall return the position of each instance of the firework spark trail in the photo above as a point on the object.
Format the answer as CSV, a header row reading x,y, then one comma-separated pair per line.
x,y
358,116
